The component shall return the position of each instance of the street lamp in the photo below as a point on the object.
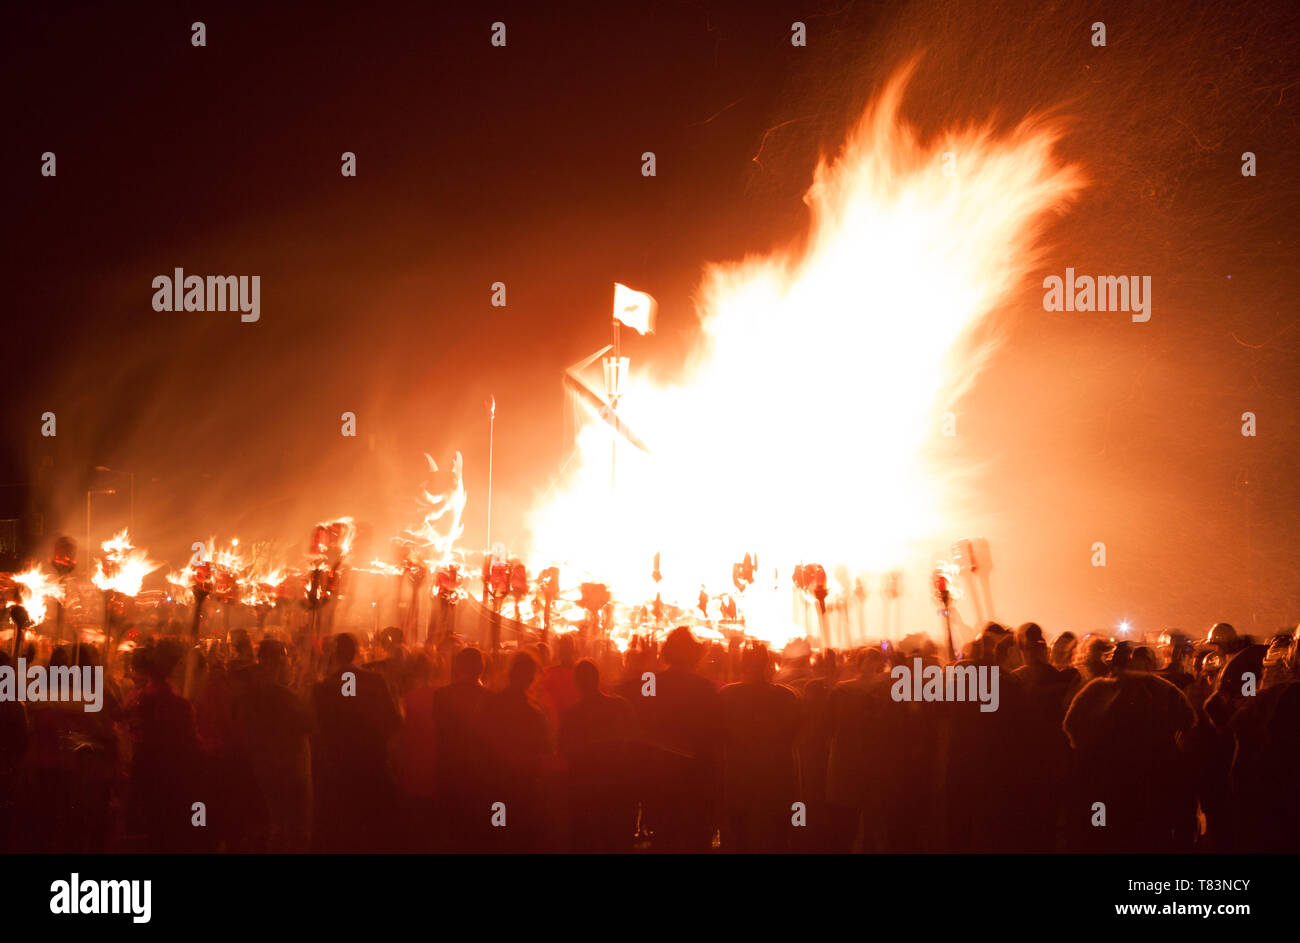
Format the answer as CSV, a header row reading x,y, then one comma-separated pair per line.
x,y
131,475
89,553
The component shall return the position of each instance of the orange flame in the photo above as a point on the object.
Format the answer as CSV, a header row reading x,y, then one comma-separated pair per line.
x,y
438,506
37,587
263,589
123,568
805,427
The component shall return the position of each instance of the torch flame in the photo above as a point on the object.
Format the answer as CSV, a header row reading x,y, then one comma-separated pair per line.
x,y
804,428
123,568
263,589
36,588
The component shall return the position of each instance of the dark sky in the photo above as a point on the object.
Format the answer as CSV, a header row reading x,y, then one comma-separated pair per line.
x,y
478,164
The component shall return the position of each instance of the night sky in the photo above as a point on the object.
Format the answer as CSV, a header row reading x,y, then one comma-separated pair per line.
x,y
522,164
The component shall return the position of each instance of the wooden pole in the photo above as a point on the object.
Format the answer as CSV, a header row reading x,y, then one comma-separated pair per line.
x,y
191,656
108,630
19,615
613,407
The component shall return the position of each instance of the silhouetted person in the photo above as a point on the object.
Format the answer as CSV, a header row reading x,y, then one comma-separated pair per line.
x,y
458,753
682,725
73,764
861,785
760,720
355,719
1063,647
1265,776
232,800
516,743
987,758
1125,734
596,742
394,666
1044,751
1045,684
1175,653
165,756
1095,650
273,732
14,742
417,753
243,664
559,692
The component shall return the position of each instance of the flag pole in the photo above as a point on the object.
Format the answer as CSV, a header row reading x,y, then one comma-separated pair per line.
x,y
613,407
492,419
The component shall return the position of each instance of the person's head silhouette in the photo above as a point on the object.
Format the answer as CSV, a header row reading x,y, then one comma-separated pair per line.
x,y
586,678
345,648
467,665
564,650
753,664
523,669
681,650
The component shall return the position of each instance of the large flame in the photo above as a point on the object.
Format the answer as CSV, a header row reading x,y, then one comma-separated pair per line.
x,y
804,429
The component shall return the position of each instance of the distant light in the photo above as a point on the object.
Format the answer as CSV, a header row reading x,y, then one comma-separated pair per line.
x,y
234,541
1124,627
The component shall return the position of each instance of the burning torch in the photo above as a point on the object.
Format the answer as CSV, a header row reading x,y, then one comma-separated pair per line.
x,y
263,595
414,570
549,585
943,596
974,562
448,585
64,561
891,594
120,574
201,585
813,576
22,622
329,547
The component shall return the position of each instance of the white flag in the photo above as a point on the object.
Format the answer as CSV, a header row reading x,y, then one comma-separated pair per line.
x,y
636,309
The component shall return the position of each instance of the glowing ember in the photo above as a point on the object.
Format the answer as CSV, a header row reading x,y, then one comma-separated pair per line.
x,y
804,427
123,568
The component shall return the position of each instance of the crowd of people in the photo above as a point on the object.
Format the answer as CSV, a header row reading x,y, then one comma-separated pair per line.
x,y
350,744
